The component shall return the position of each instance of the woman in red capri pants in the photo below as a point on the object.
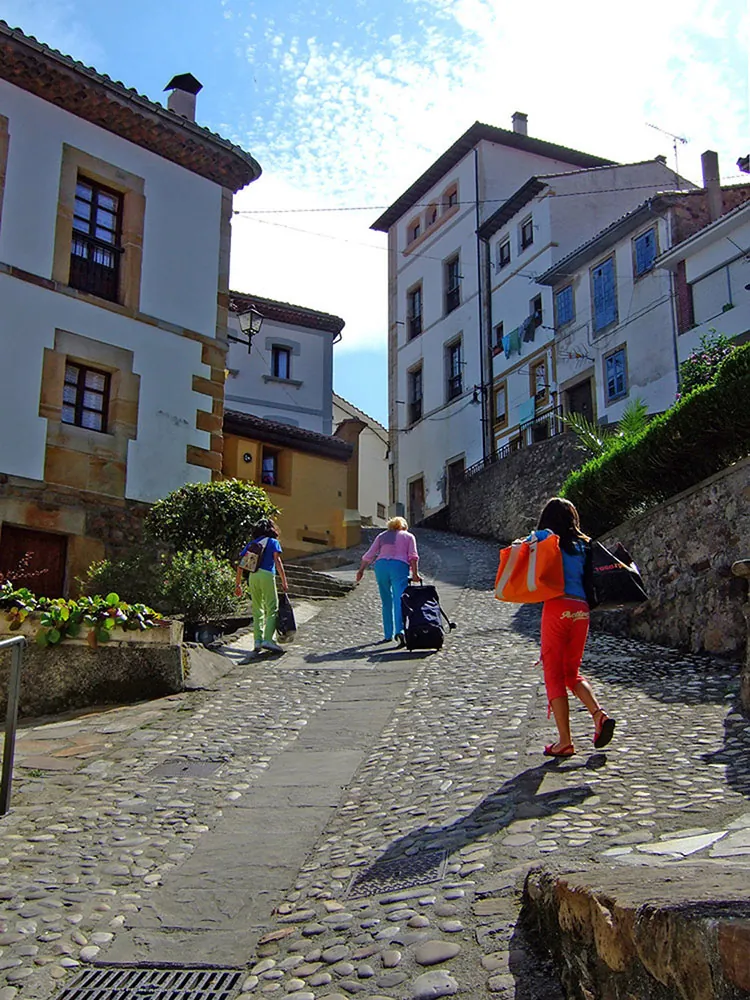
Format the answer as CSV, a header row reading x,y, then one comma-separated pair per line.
x,y
565,627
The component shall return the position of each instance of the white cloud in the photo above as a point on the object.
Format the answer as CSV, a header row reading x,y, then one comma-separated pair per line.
x,y
56,23
351,127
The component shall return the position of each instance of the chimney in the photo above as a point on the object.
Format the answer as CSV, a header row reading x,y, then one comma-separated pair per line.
x,y
712,183
661,158
520,123
184,88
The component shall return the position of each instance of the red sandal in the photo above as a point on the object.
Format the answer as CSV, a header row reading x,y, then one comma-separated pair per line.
x,y
603,729
566,751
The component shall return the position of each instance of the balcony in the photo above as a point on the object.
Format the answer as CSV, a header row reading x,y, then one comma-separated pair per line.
x,y
545,426
95,266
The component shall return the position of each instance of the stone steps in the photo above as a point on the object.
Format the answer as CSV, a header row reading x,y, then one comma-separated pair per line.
x,y
308,583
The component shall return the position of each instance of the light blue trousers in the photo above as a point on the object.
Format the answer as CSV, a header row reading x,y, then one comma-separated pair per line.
x,y
392,576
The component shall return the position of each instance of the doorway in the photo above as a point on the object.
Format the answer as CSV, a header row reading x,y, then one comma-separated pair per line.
x,y
580,400
455,476
416,500
41,556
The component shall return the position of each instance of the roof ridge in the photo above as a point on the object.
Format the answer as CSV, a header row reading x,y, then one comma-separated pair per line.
x,y
354,406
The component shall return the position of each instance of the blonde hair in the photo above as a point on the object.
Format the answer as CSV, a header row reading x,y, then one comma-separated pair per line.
x,y
397,524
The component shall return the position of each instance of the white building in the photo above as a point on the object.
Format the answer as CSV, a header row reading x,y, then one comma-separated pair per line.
x,y
437,342
712,275
546,219
114,263
616,316
287,375
373,461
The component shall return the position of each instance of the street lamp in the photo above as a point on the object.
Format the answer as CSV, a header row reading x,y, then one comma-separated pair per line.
x,y
250,323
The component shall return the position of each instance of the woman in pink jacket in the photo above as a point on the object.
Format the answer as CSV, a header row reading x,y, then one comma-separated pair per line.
x,y
394,553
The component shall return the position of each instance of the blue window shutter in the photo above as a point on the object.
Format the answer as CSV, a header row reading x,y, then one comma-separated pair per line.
x,y
564,303
605,302
616,383
645,252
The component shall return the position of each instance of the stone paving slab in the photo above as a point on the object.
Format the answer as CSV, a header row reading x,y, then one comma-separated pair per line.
x,y
456,765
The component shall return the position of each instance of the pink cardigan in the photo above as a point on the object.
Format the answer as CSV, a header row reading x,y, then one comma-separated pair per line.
x,y
392,545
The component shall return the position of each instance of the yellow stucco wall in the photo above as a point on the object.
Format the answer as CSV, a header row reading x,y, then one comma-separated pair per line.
x,y
312,495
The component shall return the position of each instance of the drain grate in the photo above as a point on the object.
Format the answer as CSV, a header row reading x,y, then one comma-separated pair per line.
x,y
181,767
153,984
401,873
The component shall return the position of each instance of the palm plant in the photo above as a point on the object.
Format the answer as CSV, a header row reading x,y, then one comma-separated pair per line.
x,y
598,439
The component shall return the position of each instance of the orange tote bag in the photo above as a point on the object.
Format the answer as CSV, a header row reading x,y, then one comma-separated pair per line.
x,y
530,571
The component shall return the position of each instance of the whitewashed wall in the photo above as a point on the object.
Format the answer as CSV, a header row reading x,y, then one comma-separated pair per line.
x,y
373,461
251,389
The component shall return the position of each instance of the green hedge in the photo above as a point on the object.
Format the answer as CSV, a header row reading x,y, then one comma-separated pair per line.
x,y
702,434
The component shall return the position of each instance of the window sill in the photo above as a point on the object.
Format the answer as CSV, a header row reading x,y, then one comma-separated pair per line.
x,y
283,381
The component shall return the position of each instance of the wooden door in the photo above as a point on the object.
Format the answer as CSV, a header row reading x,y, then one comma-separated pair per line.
x,y
416,501
44,571
580,401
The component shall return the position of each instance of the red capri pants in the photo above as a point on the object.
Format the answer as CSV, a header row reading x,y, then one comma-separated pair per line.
x,y
565,626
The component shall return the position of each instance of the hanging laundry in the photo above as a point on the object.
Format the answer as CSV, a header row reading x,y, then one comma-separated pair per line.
x,y
527,410
515,341
506,345
528,329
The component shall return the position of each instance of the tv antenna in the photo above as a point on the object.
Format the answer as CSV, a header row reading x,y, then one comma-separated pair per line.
x,y
675,139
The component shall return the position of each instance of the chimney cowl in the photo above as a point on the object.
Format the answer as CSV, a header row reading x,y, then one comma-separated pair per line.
x,y
184,87
520,123
661,158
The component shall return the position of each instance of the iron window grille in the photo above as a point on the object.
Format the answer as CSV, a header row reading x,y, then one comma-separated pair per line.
x,y
95,248
85,397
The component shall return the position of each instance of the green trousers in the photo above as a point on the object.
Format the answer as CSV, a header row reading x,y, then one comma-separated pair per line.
x,y
265,600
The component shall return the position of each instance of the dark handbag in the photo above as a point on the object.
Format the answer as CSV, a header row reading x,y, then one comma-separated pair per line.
x,y
286,626
611,579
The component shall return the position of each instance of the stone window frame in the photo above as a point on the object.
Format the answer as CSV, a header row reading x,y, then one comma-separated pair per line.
x,y
105,452
4,144
75,163
497,389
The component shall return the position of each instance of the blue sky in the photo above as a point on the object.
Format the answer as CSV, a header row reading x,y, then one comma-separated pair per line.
x,y
345,102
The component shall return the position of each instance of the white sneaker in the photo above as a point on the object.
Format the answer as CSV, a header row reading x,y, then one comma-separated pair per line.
x,y
273,646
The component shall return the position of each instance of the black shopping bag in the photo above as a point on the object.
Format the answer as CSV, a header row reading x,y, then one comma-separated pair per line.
x,y
286,626
612,579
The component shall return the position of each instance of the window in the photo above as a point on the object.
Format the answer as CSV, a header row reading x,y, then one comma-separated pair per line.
x,y
615,375
452,284
537,316
415,395
605,298
450,198
455,374
527,233
269,475
644,250
564,308
414,231
431,215
498,343
503,254
95,248
710,295
381,511
538,381
85,397
414,312
501,405
281,362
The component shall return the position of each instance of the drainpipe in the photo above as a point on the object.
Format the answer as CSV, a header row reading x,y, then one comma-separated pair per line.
x,y
480,297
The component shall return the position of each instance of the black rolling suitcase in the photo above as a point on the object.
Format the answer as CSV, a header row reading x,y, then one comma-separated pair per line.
x,y
423,617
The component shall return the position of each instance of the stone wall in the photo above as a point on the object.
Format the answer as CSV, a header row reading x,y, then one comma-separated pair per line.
x,y
70,676
685,549
504,501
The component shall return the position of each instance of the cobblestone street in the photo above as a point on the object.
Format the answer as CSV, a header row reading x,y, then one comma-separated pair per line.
x,y
228,827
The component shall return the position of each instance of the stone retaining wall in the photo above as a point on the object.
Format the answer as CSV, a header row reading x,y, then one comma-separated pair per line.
x,y
685,549
504,501
71,675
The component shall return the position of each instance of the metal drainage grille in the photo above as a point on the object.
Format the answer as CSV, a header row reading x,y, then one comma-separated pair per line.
x,y
152,984
182,767
401,873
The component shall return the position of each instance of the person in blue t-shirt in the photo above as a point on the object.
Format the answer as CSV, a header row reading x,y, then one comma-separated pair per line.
x,y
565,627
262,585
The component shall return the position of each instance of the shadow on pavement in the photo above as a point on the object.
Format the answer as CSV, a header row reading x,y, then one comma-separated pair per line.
x,y
365,652
517,798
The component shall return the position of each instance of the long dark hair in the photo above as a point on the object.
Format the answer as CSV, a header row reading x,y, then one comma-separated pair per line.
x,y
559,515
265,528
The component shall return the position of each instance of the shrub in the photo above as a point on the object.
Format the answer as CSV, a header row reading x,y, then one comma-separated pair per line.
x,y
200,586
216,516
598,439
702,366
138,577
705,432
